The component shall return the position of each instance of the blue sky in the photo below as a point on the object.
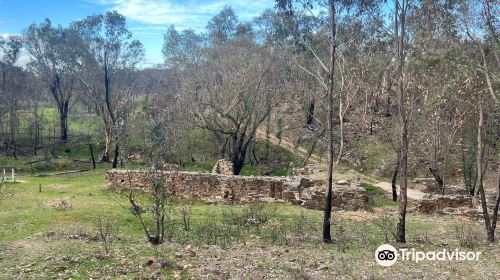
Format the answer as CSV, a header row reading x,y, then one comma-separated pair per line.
x,y
147,19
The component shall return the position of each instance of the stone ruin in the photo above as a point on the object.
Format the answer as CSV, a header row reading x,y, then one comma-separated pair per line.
x,y
308,170
455,201
463,205
441,203
224,167
232,189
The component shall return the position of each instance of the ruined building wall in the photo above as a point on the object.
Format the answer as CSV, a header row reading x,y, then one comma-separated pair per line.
x,y
220,188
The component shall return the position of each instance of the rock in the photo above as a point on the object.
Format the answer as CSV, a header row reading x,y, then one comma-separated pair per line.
x,y
308,170
342,183
171,167
345,198
437,203
224,167
424,180
231,189
266,199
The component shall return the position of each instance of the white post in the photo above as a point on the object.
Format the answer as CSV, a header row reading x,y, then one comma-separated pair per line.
x,y
13,175
4,178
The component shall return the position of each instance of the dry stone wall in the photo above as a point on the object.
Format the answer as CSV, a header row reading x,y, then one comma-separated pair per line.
x,y
438,203
219,188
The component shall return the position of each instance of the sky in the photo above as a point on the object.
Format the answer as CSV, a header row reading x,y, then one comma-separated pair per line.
x,y
146,19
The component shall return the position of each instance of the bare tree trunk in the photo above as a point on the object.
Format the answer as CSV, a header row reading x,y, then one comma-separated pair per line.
x,y
63,119
310,113
109,139
115,159
393,182
401,226
327,238
487,74
341,116
92,156
490,231
496,207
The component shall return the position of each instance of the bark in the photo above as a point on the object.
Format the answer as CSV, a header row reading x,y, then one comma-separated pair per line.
x,y
62,98
92,156
63,119
401,226
393,182
115,159
341,118
310,113
239,151
109,139
109,117
496,207
479,164
327,238
437,177
487,74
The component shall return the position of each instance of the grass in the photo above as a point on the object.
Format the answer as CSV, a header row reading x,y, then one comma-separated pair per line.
x,y
379,196
40,240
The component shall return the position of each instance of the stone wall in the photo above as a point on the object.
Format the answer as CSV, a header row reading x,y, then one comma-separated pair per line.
x,y
443,203
218,188
224,167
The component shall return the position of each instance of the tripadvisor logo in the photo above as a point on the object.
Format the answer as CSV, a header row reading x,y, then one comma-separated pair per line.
x,y
387,255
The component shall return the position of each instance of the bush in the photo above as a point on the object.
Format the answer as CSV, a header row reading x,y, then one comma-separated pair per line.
x,y
387,225
468,235
107,229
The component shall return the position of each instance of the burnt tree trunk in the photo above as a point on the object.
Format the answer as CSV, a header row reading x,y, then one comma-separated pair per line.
x,y
393,181
403,122
327,213
437,177
63,119
310,113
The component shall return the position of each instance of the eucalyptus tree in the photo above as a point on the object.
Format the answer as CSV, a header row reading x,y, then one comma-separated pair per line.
x,y
222,27
106,48
54,59
481,28
333,12
232,91
12,84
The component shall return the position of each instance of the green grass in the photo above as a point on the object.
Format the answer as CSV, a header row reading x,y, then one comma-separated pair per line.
x,y
379,196
48,243
205,167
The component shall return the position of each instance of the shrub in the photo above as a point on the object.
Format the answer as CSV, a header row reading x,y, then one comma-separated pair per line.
x,y
468,235
107,229
387,225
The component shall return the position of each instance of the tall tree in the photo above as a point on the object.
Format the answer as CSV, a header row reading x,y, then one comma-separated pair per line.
x,y
53,63
232,91
106,48
337,11
12,83
222,27
400,10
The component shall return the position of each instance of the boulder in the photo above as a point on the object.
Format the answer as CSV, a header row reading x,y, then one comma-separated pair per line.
x,y
343,183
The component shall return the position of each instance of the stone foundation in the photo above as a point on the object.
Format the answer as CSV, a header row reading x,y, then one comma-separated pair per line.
x,y
443,203
218,188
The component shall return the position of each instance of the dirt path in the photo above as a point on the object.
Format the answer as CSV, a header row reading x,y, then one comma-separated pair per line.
x,y
412,194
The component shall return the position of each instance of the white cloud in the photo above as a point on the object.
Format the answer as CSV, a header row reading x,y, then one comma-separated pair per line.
x,y
7,35
185,14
